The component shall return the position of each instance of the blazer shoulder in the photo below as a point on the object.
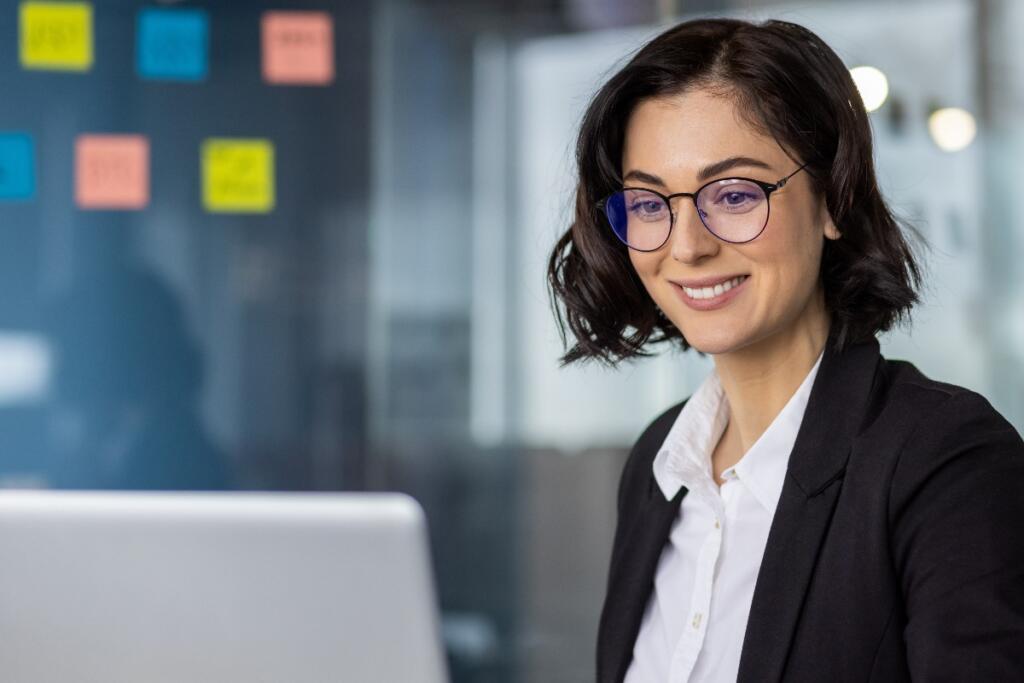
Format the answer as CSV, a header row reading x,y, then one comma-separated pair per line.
x,y
943,427
939,405
902,374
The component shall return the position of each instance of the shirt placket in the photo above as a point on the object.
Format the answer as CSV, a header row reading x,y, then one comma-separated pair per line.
x,y
692,638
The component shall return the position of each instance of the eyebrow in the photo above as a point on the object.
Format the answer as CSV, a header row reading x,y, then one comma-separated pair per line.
x,y
705,173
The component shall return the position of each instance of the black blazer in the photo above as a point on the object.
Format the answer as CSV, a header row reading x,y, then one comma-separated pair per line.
x,y
897,548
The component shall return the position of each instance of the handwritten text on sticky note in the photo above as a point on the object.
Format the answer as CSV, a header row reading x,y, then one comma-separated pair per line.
x,y
238,175
17,166
298,48
112,171
172,44
56,35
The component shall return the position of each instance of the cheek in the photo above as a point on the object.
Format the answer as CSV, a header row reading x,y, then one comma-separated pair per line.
x,y
789,259
645,265
806,255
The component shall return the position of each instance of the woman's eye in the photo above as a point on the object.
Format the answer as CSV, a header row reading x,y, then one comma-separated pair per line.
x,y
647,207
736,199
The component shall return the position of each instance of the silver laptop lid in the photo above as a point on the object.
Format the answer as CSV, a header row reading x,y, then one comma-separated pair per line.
x,y
169,587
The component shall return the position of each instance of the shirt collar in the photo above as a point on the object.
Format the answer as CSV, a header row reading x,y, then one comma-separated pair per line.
x,y
685,456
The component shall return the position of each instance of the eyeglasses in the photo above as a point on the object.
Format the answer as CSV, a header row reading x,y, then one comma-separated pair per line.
x,y
734,210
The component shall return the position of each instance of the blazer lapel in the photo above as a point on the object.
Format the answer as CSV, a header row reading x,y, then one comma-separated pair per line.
x,y
630,583
835,409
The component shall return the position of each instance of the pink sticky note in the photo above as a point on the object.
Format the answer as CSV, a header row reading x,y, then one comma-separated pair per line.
x,y
298,48
112,171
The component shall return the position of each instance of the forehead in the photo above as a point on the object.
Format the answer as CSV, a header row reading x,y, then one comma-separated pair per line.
x,y
675,135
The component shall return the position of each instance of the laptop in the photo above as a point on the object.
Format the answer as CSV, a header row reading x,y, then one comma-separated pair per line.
x,y
216,588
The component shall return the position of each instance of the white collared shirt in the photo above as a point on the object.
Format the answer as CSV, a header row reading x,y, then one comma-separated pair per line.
x,y
693,626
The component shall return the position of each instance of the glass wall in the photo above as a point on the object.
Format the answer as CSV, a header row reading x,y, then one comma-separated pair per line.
x,y
168,340
330,275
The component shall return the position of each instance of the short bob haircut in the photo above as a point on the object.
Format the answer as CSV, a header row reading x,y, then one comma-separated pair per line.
x,y
791,86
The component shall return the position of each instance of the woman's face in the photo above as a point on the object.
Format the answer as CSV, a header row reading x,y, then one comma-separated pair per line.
x,y
668,141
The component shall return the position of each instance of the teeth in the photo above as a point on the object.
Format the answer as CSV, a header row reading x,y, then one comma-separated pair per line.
x,y
717,290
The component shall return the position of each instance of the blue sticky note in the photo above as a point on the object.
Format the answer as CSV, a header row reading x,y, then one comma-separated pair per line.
x,y
172,44
17,166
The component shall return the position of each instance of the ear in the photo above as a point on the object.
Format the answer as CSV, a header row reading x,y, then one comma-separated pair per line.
x,y
831,231
828,226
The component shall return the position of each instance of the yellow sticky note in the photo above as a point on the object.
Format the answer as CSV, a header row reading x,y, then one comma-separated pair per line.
x,y
56,35
238,175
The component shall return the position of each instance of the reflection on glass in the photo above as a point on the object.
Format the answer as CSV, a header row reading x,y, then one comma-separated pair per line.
x,y
123,413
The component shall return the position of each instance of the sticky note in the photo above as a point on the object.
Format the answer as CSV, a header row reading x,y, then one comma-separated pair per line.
x,y
298,48
56,36
112,171
17,166
238,175
172,44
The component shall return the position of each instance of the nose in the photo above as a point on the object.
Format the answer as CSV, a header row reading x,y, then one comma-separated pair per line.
x,y
690,240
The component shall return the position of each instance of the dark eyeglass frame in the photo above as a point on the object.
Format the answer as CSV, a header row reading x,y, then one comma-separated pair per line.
x,y
767,188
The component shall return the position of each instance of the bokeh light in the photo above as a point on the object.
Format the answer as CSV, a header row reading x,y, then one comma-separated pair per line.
x,y
872,84
952,128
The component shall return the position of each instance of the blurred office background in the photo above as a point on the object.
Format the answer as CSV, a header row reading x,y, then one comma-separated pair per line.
x,y
385,324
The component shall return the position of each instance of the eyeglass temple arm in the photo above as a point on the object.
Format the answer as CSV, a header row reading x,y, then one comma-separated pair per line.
x,y
782,182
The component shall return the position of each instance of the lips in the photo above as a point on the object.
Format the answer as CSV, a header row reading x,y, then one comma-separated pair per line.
x,y
710,292
711,297
711,281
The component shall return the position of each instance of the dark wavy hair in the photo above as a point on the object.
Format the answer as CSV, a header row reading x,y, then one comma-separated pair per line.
x,y
788,84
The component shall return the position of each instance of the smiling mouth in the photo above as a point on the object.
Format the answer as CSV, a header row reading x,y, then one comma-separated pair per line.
x,y
699,293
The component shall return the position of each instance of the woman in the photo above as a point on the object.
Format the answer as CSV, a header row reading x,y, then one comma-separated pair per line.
x,y
813,512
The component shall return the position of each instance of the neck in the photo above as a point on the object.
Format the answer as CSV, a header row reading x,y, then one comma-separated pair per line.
x,y
760,378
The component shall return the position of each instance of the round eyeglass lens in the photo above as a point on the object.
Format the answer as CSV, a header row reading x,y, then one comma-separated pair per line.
x,y
640,219
733,209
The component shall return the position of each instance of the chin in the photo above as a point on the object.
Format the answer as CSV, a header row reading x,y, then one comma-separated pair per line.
x,y
715,342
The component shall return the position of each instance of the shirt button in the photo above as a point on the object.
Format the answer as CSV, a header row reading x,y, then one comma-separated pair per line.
x,y
696,619
717,524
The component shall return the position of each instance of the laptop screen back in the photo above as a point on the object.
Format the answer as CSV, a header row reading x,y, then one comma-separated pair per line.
x,y
166,587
